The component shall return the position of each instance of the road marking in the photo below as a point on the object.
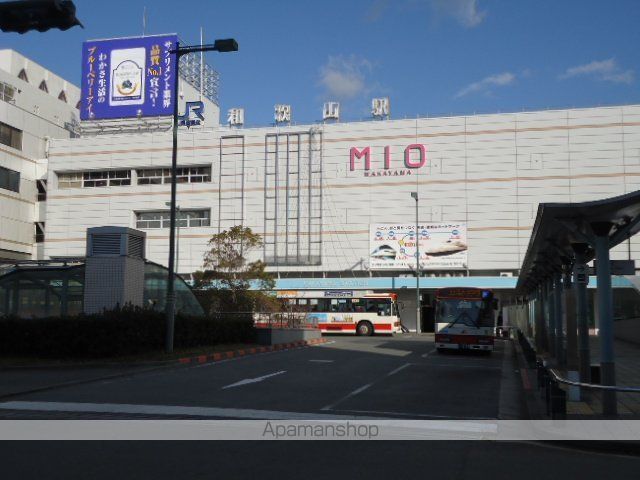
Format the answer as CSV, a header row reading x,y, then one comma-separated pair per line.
x,y
456,365
414,415
425,355
321,361
393,372
324,344
247,381
170,410
363,388
352,394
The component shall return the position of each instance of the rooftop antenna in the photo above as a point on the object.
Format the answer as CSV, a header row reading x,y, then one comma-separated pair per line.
x,y
201,64
144,21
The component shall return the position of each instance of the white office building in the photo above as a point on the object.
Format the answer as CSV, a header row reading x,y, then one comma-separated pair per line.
x,y
35,106
332,201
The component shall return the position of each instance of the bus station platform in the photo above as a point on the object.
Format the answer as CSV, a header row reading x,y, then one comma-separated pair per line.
x,y
627,374
589,404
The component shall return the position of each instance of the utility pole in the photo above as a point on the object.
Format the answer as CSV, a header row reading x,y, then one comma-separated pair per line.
x,y
414,195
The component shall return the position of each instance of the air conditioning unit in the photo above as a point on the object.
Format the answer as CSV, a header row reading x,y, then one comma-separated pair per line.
x,y
506,274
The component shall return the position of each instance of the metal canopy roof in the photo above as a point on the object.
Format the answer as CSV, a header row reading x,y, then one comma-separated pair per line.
x,y
558,226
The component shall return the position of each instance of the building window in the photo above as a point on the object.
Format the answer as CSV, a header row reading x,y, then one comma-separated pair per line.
x,y
39,232
70,180
162,219
102,178
7,92
43,86
9,179
157,176
23,75
10,136
62,96
42,190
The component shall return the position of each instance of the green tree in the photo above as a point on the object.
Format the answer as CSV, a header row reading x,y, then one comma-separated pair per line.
x,y
228,273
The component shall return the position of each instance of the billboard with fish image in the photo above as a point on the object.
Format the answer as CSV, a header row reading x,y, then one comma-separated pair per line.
x,y
443,246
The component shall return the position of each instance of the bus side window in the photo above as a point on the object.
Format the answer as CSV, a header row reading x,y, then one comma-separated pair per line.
x,y
313,304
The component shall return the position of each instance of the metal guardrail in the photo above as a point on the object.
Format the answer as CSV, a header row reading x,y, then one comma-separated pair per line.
x,y
593,386
549,381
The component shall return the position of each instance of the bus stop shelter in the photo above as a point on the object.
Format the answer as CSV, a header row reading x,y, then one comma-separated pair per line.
x,y
554,274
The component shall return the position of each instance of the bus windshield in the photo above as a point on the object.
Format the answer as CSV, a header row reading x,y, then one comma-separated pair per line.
x,y
462,312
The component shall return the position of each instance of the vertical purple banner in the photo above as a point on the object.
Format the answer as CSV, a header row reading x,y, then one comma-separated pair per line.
x,y
128,77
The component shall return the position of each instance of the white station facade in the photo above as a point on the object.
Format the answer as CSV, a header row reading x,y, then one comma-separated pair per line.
x,y
333,201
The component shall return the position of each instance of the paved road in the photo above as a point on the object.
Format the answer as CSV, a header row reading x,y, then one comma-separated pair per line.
x,y
390,377
399,378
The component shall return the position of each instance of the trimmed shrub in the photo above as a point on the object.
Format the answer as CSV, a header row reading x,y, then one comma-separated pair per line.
x,y
123,331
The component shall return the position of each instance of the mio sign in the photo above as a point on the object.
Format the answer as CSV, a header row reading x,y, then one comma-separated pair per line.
x,y
415,156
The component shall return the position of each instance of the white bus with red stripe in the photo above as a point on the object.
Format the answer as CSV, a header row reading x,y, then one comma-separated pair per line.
x,y
465,319
346,311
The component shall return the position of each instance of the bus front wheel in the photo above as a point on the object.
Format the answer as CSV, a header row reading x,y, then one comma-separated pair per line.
x,y
364,329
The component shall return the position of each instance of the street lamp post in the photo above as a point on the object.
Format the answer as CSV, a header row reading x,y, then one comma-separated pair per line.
x,y
414,195
177,269
226,45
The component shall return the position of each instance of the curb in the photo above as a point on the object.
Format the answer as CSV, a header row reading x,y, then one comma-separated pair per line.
x,y
181,362
217,357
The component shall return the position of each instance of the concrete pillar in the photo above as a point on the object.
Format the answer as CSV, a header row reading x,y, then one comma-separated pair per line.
x,y
572,327
605,315
580,281
540,333
558,294
551,315
571,351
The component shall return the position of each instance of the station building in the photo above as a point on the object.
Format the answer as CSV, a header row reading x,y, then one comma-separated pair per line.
x,y
322,195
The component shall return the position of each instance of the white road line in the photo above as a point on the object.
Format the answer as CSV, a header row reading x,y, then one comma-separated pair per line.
x,y
352,394
363,388
393,372
247,381
323,344
457,365
321,361
425,355
169,410
414,415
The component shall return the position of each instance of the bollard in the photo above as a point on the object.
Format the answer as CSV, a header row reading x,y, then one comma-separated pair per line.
x,y
540,372
558,402
547,392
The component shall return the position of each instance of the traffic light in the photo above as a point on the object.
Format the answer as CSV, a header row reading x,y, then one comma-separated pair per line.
x,y
41,15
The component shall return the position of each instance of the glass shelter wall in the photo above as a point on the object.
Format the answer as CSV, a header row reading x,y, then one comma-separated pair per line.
x,y
54,291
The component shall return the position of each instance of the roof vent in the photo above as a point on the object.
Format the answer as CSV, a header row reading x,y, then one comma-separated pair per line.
x,y
115,241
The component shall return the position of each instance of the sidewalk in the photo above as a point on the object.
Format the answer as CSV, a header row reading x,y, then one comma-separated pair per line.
x,y
627,356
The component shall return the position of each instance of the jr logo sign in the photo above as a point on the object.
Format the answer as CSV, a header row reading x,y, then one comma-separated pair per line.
x,y
415,156
192,109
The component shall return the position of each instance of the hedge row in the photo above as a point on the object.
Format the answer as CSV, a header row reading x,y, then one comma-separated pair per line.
x,y
114,333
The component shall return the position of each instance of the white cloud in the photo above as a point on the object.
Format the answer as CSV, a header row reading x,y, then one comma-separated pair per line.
x,y
344,78
376,9
466,12
486,84
604,70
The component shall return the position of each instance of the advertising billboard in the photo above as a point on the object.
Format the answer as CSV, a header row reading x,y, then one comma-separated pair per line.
x,y
443,246
128,77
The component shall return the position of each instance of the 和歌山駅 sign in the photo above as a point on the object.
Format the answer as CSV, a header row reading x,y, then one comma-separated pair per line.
x,y
443,246
128,77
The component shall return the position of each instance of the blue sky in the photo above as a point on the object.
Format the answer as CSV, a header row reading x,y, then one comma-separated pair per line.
x,y
429,56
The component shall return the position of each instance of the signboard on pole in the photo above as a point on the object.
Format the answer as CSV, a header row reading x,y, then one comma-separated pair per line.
x,y
443,246
128,77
